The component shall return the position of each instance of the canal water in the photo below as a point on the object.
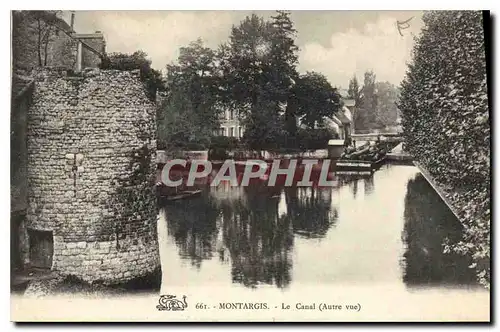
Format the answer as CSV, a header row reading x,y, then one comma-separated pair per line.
x,y
370,246
386,229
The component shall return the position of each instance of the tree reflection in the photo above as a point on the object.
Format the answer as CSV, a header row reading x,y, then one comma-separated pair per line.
x,y
258,237
428,221
310,210
259,242
192,223
252,228
369,185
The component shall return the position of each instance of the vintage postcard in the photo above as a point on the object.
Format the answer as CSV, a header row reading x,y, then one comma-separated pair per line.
x,y
250,166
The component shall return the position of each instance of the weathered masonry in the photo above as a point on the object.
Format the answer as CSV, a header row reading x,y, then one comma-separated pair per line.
x,y
90,145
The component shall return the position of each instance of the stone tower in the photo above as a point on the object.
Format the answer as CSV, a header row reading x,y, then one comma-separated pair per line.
x,y
91,145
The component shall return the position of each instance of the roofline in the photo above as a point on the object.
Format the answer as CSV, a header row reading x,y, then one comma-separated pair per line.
x,y
88,35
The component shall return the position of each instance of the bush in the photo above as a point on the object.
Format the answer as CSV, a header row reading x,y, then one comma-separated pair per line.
x,y
313,139
220,146
223,142
138,60
218,154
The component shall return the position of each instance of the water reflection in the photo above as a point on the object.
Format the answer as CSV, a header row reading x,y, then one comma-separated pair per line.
x,y
428,221
310,210
192,223
391,232
353,181
369,185
257,239
251,228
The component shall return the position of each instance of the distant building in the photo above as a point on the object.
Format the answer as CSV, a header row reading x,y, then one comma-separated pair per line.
x,y
342,122
90,48
63,47
230,124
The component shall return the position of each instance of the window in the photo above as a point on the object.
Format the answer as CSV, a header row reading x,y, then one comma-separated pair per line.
x,y
231,132
240,134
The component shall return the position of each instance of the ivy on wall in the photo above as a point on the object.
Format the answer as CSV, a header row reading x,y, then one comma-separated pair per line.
x,y
445,118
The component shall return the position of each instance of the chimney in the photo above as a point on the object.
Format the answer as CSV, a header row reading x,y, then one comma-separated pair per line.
x,y
72,21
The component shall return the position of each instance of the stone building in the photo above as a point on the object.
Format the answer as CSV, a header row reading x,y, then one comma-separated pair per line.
x,y
90,143
60,45
83,145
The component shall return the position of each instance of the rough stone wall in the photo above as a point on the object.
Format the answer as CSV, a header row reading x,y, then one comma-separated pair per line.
x,y
91,145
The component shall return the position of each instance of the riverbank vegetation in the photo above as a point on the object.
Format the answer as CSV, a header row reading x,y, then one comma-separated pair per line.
x,y
446,123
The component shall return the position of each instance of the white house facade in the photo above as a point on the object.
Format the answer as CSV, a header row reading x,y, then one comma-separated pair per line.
x,y
230,125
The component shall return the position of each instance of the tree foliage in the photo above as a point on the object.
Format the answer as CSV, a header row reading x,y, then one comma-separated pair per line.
x,y
137,60
255,74
246,62
259,67
316,99
354,90
366,111
189,113
387,112
284,67
445,119
376,103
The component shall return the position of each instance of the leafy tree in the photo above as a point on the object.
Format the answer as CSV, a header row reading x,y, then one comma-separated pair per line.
x,y
354,90
251,81
284,60
387,112
366,118
283,56
138,60
354,93
247,58
189,113
176,128
316,99
195,75
259,70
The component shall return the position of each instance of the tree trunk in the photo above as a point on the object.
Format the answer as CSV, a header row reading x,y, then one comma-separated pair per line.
x,y
46,45
39,45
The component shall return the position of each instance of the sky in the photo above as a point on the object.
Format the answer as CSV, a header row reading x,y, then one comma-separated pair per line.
x,y
338,44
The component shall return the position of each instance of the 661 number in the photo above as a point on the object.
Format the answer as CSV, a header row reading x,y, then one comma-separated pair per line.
x,y
201,306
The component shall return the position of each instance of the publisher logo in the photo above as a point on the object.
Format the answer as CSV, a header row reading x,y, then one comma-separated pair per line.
x,y
170,303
